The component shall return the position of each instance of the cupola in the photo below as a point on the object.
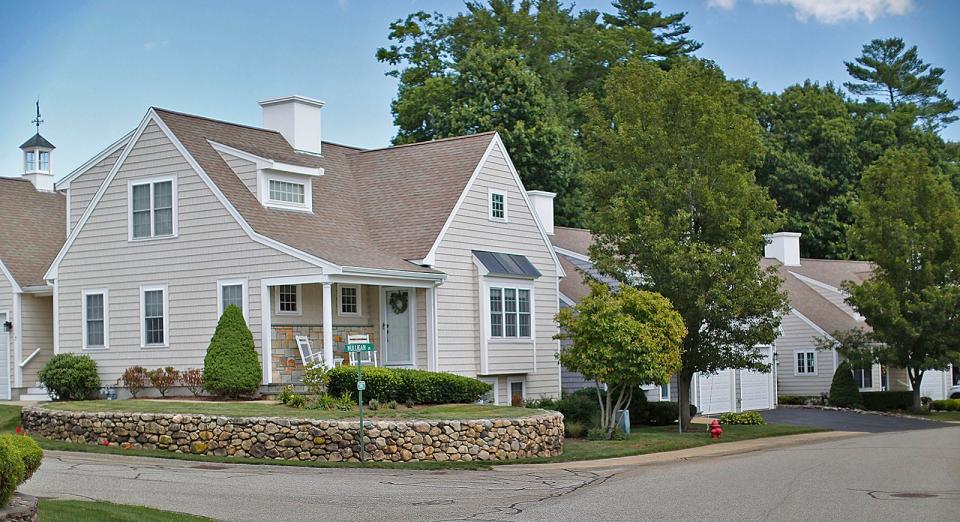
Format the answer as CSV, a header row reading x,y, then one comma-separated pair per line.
x,y
37,164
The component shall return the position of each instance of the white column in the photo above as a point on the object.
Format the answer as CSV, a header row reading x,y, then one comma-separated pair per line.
x,y
266,332
431,310
328,324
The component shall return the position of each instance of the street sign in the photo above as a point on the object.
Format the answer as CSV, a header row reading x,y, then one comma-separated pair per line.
x,y
361,385
359,347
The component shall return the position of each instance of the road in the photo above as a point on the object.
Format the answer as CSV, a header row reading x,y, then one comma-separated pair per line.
x,y
887,476
847,421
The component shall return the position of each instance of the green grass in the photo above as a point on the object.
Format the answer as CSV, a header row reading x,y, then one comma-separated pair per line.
x,y
948,416
656,439
9,418
265,409
50,510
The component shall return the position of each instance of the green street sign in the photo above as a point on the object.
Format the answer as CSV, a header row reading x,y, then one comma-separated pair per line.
x,y
359,347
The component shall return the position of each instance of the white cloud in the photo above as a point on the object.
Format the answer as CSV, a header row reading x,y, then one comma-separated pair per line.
x,y
149,46
833,11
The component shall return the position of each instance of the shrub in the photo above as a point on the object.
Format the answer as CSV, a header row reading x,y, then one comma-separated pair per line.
x,y
945,405
747,417
392,405
296,401
601,434
70,377
134,379
231,367
344,402
193,380
410,403
30,452
374,404
888,400
315,378
381,383
12,469
795,400
844,392
574,430
163,378
580,406
324,401
407,385
285,393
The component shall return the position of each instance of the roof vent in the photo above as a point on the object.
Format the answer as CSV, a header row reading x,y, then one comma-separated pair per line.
x,y
785,247
297,118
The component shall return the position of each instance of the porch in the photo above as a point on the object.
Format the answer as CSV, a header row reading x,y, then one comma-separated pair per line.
x,y
397,315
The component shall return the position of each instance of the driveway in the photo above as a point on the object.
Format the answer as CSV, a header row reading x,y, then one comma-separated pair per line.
x,y
913,477
847,421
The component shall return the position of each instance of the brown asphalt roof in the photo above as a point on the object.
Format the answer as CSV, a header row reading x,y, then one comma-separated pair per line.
x,y
574,239
43,214
371,209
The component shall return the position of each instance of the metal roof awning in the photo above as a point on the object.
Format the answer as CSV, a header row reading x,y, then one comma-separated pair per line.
x,y
509,265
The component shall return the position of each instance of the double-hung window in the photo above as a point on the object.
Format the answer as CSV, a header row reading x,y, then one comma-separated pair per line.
x,y
510,312
288,299
349,299
152,208
665,392
95,319
233,292
498,205
806,363
44,161
863,377
29,161
153,309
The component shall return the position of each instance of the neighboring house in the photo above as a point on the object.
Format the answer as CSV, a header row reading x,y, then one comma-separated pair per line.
x,y
727,390
818,310
431,249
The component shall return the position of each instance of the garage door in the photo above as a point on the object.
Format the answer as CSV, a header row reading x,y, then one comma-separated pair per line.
x,y
715,392
4,361
935,384
756,388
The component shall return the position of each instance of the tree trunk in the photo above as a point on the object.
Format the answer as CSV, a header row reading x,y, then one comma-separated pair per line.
x,y
684,381
916,378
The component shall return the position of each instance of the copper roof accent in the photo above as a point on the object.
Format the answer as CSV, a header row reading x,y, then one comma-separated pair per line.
x,y
33,229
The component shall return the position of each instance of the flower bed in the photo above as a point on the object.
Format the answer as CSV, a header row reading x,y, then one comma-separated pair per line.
x,y
307,439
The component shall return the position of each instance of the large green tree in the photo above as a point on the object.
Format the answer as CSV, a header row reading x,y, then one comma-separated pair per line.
x,y
679,211
890,73
908,224
621,340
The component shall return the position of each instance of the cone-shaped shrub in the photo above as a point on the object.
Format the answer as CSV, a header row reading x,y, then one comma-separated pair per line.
x,y
843,391
231,367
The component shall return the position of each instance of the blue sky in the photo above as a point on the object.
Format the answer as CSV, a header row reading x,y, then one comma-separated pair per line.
x,y
97,66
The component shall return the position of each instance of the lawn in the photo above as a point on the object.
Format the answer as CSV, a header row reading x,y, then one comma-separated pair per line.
x,y
947,416
269,409
80,511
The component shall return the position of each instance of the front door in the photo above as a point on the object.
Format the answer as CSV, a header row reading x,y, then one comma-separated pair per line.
x,y
397,314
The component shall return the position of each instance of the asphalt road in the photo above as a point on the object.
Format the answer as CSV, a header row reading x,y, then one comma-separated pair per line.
x,y
847,421
891,476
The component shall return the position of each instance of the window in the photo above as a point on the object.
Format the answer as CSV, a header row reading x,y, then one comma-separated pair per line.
x,y
152,209
153,302
29,161
665,392
510,312
95,322
863,377
288,299
232,292
491,396
517,392
498,205
349,299
806,363
286,191
44,161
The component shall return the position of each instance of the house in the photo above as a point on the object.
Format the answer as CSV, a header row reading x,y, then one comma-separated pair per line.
x,y
727,390
818,310
431,249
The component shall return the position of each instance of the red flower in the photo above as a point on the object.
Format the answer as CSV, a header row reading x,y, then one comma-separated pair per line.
x,y
18,429
106,442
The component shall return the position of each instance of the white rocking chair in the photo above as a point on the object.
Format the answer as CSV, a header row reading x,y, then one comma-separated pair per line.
x,y
364,357
307,355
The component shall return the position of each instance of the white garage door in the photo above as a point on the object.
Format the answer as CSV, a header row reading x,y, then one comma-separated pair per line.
x,y
715,392
935,384
4,361
756,388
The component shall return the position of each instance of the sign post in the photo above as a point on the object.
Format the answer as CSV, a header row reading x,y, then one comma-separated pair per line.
x,y
361,384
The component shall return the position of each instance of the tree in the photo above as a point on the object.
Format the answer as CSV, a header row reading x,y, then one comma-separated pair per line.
x,y
231,367
679,211
844,392
889,69
908,224
621,339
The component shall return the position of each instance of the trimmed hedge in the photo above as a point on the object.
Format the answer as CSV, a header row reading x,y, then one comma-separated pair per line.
x,y
844,392
30,452
795,400
232,367
887,400
582,406
945,405
20,456
404,385
751,418
70,377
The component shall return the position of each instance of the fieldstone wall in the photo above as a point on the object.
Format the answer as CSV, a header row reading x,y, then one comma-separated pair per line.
x,y
22,508
305,439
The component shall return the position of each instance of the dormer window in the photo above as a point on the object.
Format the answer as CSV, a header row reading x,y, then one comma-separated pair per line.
x,y
286,192
278,185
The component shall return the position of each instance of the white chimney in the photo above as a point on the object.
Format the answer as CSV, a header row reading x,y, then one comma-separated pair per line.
x,y
542,203
785,247
297,118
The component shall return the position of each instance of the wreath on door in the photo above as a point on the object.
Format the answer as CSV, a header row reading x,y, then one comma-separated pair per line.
x,y
398,302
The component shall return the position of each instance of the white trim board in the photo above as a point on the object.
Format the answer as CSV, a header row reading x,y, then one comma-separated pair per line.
x,y
13,282
64,183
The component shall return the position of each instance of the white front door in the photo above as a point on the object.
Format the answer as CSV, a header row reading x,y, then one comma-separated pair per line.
x,y
397,309
4,360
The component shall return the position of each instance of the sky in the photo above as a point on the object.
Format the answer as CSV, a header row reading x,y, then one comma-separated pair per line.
x,y
97,66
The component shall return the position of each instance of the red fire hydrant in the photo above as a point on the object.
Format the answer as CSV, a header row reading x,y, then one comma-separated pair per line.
x,y
715,429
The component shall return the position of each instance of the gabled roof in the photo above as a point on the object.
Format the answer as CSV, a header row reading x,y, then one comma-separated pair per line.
x,y
372,209
573,246
37,141
32,229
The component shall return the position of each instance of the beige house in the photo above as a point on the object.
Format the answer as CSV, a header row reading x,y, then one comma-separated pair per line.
x,y
434,250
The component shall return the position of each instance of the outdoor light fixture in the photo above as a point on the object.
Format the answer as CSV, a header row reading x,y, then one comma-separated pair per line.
x,y
7,326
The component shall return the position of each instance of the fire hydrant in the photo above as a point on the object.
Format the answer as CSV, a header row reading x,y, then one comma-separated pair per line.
x,y
715,429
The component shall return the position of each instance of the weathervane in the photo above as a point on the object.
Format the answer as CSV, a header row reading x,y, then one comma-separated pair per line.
x,y
37,121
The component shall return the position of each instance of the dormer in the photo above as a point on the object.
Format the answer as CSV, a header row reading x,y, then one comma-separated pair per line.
x,y
277,185
37,166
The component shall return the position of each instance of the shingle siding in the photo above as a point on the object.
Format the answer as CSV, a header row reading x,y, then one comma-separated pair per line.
x,y
36,319
85,186
800,336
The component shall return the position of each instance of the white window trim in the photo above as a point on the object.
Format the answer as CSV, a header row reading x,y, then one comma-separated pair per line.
x,y
488,283
340,312
867,371
232,282
661,389
263,186
494,383
506,214
276,301
175,208
166,316
523,383
106,317
797,372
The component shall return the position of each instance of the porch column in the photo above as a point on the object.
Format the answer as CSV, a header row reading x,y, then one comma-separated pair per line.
x,y
328,324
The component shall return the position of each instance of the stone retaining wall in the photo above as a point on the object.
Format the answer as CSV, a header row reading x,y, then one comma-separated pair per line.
x,y
306,439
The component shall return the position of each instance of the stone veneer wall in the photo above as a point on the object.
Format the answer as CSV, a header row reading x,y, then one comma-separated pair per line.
x,y
307,440
287,366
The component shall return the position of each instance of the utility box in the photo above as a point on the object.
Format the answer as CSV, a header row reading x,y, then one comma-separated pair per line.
x,y
624,424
